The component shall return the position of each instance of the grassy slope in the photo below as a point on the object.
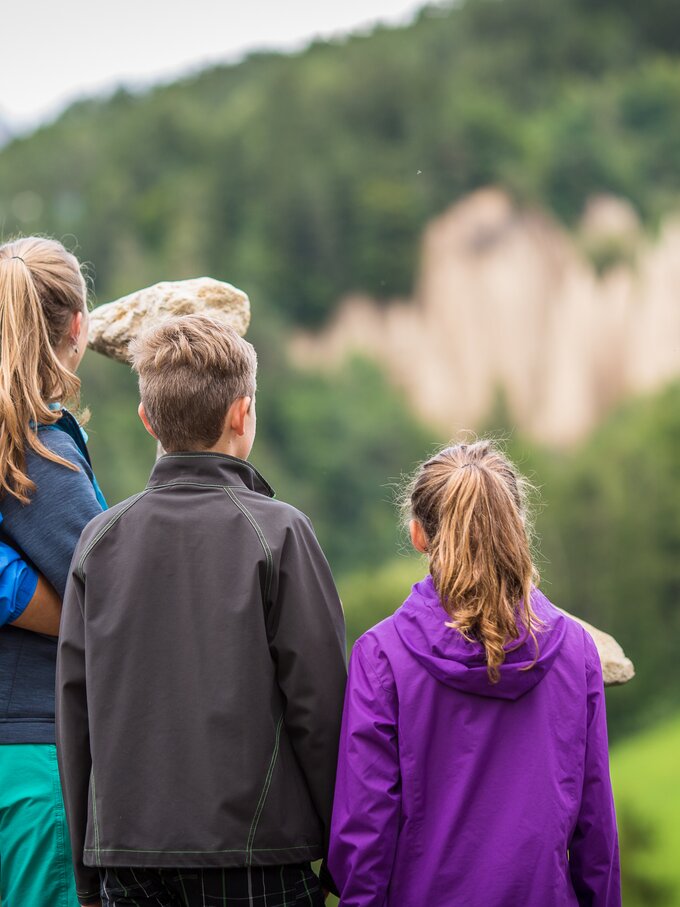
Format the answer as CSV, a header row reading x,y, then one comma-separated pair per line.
x,y
645,776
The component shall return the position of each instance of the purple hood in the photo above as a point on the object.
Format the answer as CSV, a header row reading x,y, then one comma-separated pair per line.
x,y
453,660
455,791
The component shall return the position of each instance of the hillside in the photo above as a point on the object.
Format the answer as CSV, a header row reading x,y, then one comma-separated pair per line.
x,y
307,177
5,133
508,301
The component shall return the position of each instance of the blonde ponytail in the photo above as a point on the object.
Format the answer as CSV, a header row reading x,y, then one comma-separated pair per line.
x,y
41,288
471,504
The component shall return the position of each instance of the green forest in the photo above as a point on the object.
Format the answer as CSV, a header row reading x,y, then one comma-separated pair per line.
x,y
304,177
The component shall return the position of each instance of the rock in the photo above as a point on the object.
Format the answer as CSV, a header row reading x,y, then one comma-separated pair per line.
x,y
616,668
113,325
609,217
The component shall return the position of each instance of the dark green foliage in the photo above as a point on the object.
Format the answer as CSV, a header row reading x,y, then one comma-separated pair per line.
x,y
313,175
335,446
611,535
122,452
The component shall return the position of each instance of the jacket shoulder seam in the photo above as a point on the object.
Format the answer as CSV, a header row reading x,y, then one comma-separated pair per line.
x,y
368,662
228,490
102,532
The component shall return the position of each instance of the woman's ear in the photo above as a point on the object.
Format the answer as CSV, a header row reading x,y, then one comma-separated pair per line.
x,y
418,537
147,425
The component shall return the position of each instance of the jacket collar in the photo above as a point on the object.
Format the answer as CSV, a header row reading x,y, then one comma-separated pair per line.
x,y
207,468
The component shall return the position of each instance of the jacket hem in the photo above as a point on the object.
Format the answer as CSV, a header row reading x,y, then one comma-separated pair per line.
x,y
173,859
84,895
27,730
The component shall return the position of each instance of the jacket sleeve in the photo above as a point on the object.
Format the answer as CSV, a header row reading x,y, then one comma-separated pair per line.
x,y
72,730
367,807
594,849
306,629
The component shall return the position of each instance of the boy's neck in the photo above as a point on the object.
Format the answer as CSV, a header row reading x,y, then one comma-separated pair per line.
x,y
231,446
228,449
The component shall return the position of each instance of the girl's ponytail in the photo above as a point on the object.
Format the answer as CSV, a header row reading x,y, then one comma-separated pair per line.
x,y
41,288
471,504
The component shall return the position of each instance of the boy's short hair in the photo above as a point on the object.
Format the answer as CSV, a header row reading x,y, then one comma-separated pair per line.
x,y
191,369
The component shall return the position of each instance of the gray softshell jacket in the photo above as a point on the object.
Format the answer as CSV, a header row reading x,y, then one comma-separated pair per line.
x,y
200,677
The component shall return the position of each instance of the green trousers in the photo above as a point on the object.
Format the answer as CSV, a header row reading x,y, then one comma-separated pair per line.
x,y
35,853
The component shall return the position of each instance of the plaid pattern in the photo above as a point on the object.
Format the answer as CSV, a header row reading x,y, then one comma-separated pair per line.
x,y
259,886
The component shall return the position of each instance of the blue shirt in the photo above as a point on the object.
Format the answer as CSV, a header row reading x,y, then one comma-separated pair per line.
x,y
17,583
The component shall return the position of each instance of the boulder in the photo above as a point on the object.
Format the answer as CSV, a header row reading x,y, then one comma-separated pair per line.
x,y
113,325
616,668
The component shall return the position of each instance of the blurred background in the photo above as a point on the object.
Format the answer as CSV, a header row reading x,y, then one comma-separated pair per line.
x,y
452,217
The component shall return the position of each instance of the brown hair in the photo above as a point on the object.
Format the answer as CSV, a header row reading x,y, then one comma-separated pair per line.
x,y
41,289
191,369
471,503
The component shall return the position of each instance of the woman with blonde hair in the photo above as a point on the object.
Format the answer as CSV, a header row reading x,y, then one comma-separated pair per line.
x,y
47,494
473,767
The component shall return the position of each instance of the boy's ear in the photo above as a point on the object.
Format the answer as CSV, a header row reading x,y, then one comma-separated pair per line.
x,y
147,425
76,325
418,537
237,415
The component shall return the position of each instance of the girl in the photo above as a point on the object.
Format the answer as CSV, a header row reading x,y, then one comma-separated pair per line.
x,y
47,494
473,766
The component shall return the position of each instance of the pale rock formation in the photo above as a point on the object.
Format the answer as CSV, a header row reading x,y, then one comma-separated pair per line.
x,y
607,217
113,326
507,300
616,668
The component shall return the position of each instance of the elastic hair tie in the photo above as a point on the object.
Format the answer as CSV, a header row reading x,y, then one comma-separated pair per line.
x,y
18,258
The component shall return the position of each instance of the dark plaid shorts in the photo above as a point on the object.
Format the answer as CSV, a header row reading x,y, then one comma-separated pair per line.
x,y
259,886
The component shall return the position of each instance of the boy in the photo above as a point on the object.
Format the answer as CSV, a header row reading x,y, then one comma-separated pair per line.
x,y
201,663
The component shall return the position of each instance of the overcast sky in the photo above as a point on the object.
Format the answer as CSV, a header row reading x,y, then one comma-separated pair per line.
x,y
53,53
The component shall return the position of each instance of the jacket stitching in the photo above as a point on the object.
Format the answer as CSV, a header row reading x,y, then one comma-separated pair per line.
x,y
59,819
219,456
263,541
102,532
283,849
263,794
97,851
205,453
192,484
177,482
374,671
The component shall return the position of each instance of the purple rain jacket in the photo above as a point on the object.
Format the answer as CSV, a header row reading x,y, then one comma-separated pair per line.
x,y
455,792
